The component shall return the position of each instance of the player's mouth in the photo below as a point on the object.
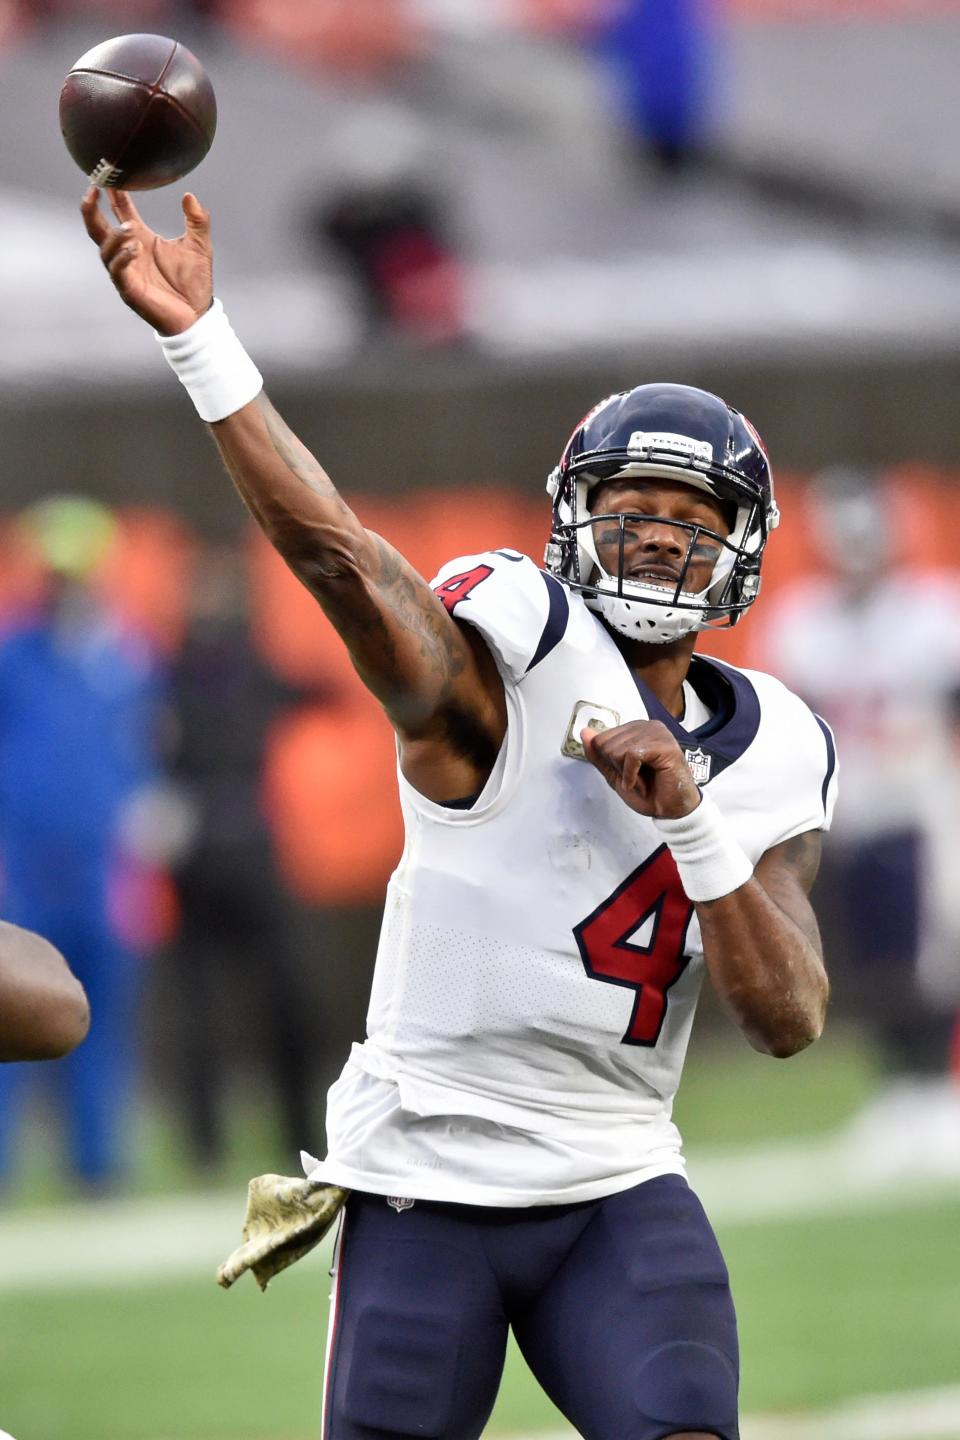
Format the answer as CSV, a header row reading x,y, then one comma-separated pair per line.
x,y
659,574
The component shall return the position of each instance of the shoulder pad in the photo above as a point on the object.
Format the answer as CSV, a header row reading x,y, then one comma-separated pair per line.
x,y
520,611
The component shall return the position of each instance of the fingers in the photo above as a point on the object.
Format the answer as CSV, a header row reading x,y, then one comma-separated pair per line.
x,y
95,222
119,262
643,763
113,240
620,765
117,240
626,759
117,248
124,208
598,755
633,763
588,738
196,217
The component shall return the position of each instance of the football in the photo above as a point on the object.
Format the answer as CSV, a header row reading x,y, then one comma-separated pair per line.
x,y
137,112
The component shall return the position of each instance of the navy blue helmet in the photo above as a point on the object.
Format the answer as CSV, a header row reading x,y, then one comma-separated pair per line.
x,y
679,433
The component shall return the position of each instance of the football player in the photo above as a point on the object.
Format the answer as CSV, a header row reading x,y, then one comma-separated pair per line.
x,y
596,818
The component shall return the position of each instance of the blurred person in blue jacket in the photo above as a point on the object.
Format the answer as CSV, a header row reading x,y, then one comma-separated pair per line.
x,y
76,705
662,54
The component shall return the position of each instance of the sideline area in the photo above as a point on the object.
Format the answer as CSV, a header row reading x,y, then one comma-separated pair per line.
x,y
907,1415
112,1242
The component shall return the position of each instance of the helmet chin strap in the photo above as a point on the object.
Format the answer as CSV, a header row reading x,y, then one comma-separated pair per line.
x,y
653,621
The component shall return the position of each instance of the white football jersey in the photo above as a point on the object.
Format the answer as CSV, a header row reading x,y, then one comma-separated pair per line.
x,y
539,962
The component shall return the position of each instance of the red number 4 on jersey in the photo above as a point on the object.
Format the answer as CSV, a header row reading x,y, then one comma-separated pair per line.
x,y
458,587
652,893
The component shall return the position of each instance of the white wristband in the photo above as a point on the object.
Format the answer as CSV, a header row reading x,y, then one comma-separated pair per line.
x,y
212,365
710,861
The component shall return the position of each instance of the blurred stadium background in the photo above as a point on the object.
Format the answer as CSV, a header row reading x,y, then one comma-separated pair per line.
x,y
443,229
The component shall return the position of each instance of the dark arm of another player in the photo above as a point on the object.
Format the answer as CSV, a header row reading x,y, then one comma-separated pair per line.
x,y
436,680
43,1009
761,945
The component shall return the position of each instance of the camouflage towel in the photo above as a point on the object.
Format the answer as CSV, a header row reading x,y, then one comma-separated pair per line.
x,y
285,1218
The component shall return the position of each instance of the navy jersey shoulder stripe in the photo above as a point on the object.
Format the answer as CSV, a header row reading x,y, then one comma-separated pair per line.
x,y
831,758
558,615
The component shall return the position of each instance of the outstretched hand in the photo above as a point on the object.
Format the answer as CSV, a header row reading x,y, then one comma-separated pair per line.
x,y
643,763
169,283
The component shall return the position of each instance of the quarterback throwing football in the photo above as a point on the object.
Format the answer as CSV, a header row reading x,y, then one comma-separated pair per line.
x,y
595,817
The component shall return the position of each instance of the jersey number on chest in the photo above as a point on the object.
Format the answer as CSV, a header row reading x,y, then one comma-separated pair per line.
x,y
651,900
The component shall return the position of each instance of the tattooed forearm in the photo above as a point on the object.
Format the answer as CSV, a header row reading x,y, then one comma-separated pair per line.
x,y
296,456
409,652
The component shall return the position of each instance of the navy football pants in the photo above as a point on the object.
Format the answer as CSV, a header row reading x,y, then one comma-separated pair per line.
x,y
621,1307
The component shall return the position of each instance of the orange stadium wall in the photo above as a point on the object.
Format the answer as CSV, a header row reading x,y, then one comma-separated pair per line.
x,y
329,777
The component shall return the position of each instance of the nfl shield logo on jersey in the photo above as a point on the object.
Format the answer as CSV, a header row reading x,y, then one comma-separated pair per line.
x,y
400,1202
699,765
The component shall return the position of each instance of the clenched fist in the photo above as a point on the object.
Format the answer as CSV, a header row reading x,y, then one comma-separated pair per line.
x,y
643,763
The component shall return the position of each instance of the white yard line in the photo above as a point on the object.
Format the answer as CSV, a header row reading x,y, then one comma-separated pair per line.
x,y
907,1415
110,1242
116,1242
904,1415
828,1175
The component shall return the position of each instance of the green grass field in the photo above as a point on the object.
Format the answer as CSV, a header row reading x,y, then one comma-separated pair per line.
x,y
831,1306
828,1309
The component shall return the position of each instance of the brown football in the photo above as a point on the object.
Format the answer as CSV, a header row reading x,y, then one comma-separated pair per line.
x,y
137,112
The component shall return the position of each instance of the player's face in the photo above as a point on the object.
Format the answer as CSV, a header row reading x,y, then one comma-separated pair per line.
x,y
655,547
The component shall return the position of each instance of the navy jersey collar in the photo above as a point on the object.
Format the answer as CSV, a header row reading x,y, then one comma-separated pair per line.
x,y
735,719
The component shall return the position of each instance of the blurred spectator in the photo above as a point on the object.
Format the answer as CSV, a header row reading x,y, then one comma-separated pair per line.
x,y
391,237
362,38
77,694
939,964
235,944
661,54
137,14
874,646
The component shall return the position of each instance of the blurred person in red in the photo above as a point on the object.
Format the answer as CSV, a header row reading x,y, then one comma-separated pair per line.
x,y
385,217
235,946
17,17
77,695
873,643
